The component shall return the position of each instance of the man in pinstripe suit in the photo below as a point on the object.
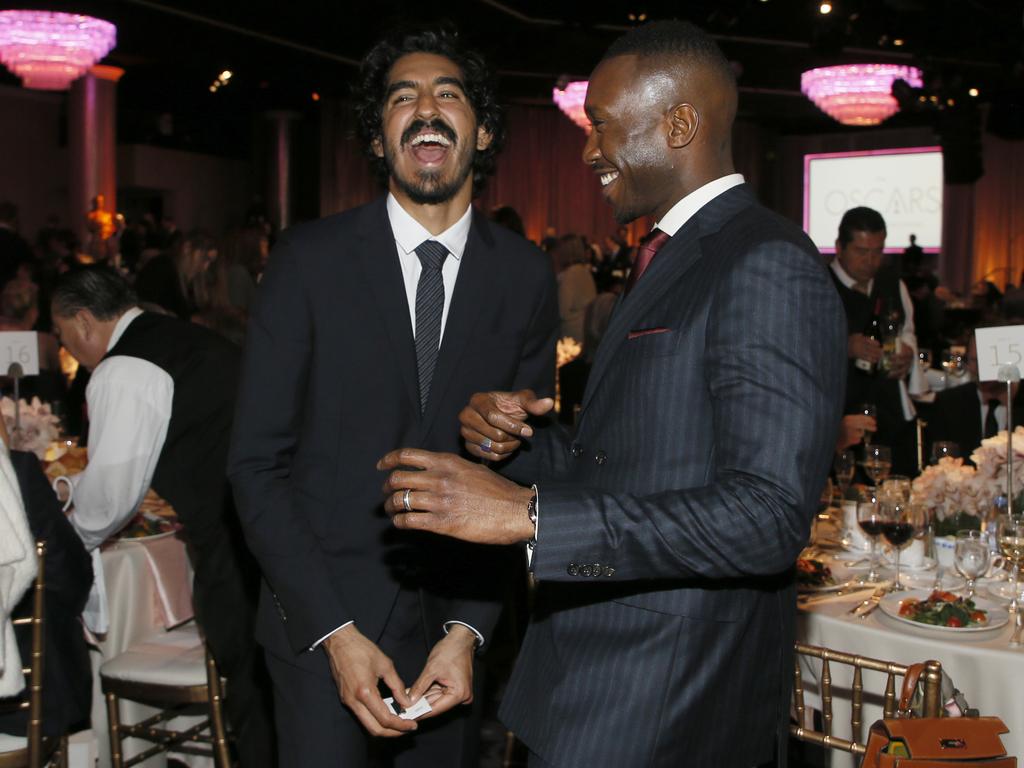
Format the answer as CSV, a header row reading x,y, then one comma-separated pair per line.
x,y
662,534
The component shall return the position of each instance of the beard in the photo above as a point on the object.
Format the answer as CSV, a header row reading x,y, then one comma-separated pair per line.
x,y
431,187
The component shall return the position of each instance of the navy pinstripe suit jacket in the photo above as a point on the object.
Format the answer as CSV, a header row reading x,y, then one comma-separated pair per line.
x,y
670,523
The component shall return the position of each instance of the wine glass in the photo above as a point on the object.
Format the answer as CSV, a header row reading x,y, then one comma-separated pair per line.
x,y
869,517
824,505
877,462
953,363
943,448
896,487
900,521
972,557
1011,544
844,465
868,409
924,360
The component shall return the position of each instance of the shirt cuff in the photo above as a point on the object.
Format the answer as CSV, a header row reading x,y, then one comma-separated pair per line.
x,y
532,543
314,646
479,638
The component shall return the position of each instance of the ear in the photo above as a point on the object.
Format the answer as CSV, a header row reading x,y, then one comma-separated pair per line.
x,y
377,147
483,138
684,122
85,323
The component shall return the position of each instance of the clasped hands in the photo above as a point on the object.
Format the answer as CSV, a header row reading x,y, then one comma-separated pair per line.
x,y
454,497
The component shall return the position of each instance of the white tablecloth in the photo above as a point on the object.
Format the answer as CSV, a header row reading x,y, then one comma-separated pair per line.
x,y
134,610
983,666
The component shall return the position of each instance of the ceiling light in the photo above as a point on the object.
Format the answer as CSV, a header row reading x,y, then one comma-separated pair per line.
x,y
898,41
49,51
226,75
570,101
857,94
825,8
315,96
972,92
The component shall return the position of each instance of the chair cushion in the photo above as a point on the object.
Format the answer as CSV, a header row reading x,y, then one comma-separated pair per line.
x,y
166,658
9,743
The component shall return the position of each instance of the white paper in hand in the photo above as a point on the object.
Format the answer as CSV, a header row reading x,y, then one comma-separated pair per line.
x,y
418,709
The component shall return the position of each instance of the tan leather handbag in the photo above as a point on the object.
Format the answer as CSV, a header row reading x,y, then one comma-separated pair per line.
x,y
935,742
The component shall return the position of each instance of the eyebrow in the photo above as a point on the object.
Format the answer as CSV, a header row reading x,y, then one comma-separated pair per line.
x,y
443,80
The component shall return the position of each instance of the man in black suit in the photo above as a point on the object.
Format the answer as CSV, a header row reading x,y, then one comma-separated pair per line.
x,y
663,533
967,414
371,330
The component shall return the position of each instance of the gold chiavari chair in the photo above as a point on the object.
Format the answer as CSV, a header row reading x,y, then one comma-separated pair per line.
x,y
173,672
932,706
34,751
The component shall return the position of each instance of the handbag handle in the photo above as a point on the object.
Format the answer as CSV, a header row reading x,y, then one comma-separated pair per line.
x,y
910,681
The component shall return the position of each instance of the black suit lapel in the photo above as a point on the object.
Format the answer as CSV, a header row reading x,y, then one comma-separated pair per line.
x,y
378,256
467,302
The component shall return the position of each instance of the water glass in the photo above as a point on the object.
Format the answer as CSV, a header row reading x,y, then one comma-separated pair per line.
x,y
971,557
924,360
877,462
844,465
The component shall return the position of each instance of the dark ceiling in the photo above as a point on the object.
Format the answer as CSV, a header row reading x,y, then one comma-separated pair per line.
x,y
281,53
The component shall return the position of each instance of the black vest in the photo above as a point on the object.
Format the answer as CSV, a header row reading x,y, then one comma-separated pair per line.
x,y
877,387
190,473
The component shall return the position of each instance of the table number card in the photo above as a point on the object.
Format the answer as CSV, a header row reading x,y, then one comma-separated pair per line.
x,y
20,347
1003,345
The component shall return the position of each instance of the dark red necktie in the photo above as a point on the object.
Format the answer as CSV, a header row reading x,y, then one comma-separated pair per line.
x,y
645,253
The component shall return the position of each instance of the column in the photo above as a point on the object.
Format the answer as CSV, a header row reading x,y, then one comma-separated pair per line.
x,y
92,142
279,193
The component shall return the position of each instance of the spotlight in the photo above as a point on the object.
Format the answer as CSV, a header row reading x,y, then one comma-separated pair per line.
x,y
226,75
825,8
973,92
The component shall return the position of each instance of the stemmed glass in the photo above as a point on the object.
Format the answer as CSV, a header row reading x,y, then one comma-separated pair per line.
x,y
972,557
869,517
1011,544
844,465
924,360
877,462
943,448
868,409
953,363
900,521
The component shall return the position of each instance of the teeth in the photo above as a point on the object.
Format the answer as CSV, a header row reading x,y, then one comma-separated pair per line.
x,y
608,178
436,138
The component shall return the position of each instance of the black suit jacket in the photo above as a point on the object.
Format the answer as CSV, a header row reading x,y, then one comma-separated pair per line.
x,y
956,416
329,385
669,525
67,676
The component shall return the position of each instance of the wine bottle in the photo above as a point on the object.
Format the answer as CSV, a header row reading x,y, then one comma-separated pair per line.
x,y
873,330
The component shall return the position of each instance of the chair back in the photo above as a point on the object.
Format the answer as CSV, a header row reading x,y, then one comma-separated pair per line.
x,y
892,704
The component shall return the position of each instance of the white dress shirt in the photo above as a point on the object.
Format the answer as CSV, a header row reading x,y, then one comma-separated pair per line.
x,y
908,338
410,234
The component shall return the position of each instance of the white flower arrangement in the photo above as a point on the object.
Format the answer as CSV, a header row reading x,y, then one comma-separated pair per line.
x,y
38,426
951,488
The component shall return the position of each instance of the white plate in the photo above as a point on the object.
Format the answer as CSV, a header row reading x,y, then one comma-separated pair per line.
x,y
924,580
890,606
1000,590
926,564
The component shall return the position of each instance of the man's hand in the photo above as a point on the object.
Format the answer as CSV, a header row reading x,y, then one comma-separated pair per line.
x,y
852,429
860,346
500,417
357,665
447,677
899,363
455,497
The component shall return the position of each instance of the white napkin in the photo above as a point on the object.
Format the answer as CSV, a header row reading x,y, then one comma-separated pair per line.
x,y
17,570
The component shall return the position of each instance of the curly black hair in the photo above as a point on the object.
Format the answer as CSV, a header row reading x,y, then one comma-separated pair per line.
x,y
370,92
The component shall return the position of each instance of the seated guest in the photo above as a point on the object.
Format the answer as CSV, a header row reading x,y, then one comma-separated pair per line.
x,y
67,676
160,401
967,414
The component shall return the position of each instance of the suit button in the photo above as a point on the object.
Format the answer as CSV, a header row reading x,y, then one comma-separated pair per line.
x,y
573,569
600,457
576,450
609,571
586,570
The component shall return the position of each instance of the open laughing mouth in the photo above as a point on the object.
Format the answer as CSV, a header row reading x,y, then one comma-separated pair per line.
x,y
608,177
430,147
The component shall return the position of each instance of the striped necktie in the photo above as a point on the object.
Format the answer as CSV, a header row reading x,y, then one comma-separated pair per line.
x,y
649,246
429,308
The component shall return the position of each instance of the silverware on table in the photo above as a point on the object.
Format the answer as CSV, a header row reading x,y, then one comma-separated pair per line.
x,y
865,607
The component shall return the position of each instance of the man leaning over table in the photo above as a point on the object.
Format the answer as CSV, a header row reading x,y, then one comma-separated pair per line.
x,y
371,330
160,401
663,533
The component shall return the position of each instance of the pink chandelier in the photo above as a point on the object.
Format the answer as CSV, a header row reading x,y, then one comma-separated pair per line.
x,y
857,94
570,100
50,50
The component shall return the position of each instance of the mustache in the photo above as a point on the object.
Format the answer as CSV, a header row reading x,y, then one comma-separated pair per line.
x,y
436,125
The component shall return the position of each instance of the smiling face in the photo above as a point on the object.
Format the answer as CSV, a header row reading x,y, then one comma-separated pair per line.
x,y
629,147
429,132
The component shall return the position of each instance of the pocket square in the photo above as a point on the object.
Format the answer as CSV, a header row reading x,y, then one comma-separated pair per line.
x,y
646,332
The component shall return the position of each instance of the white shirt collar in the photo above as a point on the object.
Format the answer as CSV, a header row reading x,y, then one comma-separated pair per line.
x,y
122,325
844,276
409,233
682,211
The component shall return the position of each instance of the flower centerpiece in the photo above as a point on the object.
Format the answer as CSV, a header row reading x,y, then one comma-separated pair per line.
x,y
990,459
957,494
37,429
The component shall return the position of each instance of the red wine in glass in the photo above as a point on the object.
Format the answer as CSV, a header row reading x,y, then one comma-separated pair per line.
x,y
897,534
